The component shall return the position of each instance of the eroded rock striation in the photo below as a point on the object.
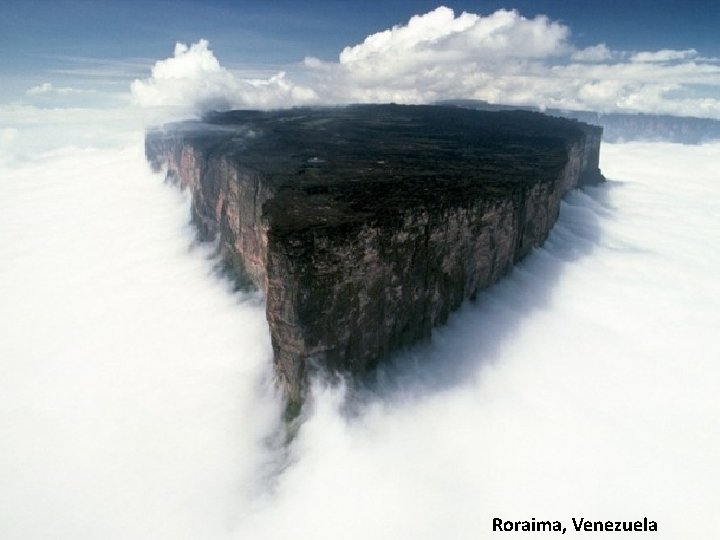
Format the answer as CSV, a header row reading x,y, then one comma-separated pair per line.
x,y
365,226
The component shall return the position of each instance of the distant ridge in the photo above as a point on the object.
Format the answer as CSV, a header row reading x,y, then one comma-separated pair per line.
x,y
621,127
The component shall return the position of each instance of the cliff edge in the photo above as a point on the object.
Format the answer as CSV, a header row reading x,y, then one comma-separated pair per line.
x,y
365,226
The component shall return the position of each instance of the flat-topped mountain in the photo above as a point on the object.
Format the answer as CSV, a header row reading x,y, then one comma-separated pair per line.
x,y
365,226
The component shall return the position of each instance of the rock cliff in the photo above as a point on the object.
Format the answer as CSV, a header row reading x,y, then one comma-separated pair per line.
x,y
365,226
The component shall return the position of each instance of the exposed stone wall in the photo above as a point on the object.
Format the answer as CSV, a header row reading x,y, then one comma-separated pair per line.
x,y
226,198
344,299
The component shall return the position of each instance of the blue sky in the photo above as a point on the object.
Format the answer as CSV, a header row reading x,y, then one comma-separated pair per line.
x,y
284,31
105,45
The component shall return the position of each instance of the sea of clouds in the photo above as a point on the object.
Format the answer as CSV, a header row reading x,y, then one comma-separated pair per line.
x,y
137,394
137,386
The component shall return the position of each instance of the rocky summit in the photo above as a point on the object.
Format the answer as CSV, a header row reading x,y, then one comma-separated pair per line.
x,y
365,226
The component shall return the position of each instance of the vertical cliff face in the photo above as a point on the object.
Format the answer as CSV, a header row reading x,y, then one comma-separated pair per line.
x,y
345,298
365,227
227,199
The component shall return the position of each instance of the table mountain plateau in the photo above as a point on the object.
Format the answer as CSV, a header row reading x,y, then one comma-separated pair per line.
x,y
365,226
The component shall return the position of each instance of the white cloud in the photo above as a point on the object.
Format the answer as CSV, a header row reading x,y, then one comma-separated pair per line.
x,y
49,88
502,57
594,53
439,35
664,55
43,88
51,96
571,371
8,138
506,58
101,383
438,55
193,81
136,404
33,130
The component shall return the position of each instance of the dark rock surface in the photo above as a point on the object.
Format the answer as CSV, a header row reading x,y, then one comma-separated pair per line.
x,y
366,226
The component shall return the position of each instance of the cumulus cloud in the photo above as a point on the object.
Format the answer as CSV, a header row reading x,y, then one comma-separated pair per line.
x,y
439,55
440,35
506,58
193,81
502,57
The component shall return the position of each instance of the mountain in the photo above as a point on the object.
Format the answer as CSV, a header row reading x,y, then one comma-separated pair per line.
x,y
365,226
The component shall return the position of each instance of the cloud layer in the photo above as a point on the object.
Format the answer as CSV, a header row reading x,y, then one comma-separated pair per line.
x,y
502,57
581,385
135,387
121,418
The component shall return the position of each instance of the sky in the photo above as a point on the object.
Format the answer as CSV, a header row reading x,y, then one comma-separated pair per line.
x,y
659,56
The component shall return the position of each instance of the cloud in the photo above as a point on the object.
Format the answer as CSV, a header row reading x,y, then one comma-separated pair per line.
x,y
49,88
572,371
43,88
51,96
440,35
438,56
135,384
36,130
502,57
664,55
8,138
506,58
119,415
193,81
594,53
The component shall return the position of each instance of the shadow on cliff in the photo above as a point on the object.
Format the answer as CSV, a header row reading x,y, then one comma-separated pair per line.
x,y
475,335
